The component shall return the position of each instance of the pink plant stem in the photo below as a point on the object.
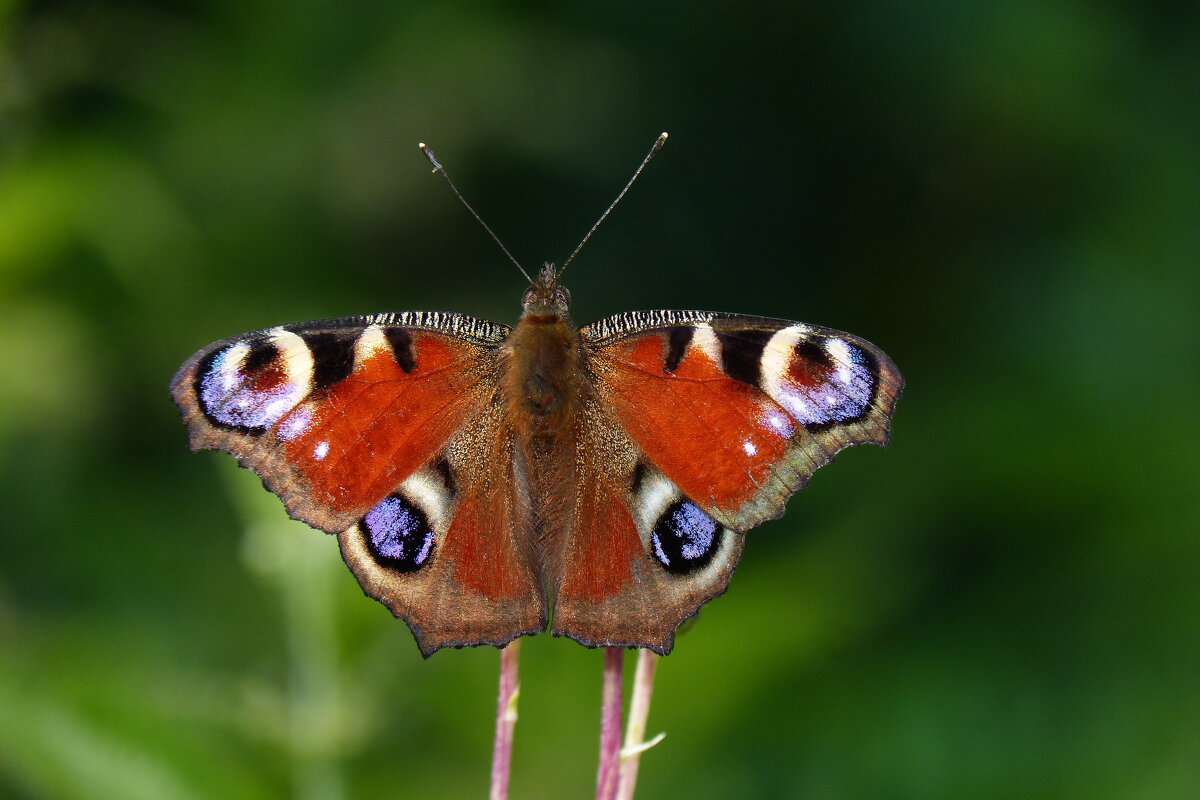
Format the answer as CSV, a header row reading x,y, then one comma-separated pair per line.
x,y
635,732
609,773
506,720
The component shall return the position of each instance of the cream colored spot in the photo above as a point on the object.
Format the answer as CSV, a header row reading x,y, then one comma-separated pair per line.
x,y
369,342
776,357
705,339
426,490
655,494
840,351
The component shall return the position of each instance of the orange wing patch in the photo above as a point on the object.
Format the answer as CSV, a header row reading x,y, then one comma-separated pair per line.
x,y
605,542
740,411
717,438
481,545
356,440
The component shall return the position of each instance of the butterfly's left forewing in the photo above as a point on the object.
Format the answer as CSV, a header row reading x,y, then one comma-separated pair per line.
x,y
383,429
739,411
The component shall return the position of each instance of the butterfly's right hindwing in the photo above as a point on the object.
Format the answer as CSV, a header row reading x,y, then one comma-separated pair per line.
x,y
445,550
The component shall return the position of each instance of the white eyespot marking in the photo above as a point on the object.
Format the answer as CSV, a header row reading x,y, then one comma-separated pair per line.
x,y
295,423
321,450
678,534
402,531
370,342
651,500
685,538
840,351
398,534
749,447
222,376
427,491
705,339
254,384
778,421
833,385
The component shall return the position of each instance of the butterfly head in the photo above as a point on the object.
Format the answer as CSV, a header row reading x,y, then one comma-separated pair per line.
x,y
545,297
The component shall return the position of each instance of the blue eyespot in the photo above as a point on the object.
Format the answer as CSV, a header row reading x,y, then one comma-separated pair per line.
x,y
685,539
398,534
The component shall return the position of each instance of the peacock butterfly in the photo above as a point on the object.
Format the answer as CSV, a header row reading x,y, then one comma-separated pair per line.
x,y
488,482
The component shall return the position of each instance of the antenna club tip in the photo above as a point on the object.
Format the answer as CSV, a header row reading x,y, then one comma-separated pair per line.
x,y
420,145
663,135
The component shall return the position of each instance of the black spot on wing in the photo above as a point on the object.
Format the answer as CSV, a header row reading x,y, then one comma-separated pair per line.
x,y
442,468
262,353
639,475
821,426
741,353
333,356
811,350
678,339
401,342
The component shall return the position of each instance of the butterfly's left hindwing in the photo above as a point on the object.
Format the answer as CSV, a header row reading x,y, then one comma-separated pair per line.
x,y
642,557
702,426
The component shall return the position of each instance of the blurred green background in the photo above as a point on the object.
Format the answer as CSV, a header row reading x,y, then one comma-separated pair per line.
x,y
1005,196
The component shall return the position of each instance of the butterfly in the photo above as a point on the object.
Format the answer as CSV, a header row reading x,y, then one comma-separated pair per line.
x,y
487,482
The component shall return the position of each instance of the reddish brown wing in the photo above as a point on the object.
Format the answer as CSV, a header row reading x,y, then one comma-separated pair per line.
x,y
640,557
448,550
740,411
703,427
382,429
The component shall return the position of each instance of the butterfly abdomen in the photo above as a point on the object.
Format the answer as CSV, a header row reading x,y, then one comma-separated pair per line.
x,y
544,396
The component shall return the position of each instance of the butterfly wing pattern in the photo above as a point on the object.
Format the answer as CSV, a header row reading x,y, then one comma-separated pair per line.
x,y
721,417
404,434
382,429
740,411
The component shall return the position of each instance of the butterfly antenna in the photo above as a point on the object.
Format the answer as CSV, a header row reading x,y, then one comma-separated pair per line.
x,y
658,143
437,167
